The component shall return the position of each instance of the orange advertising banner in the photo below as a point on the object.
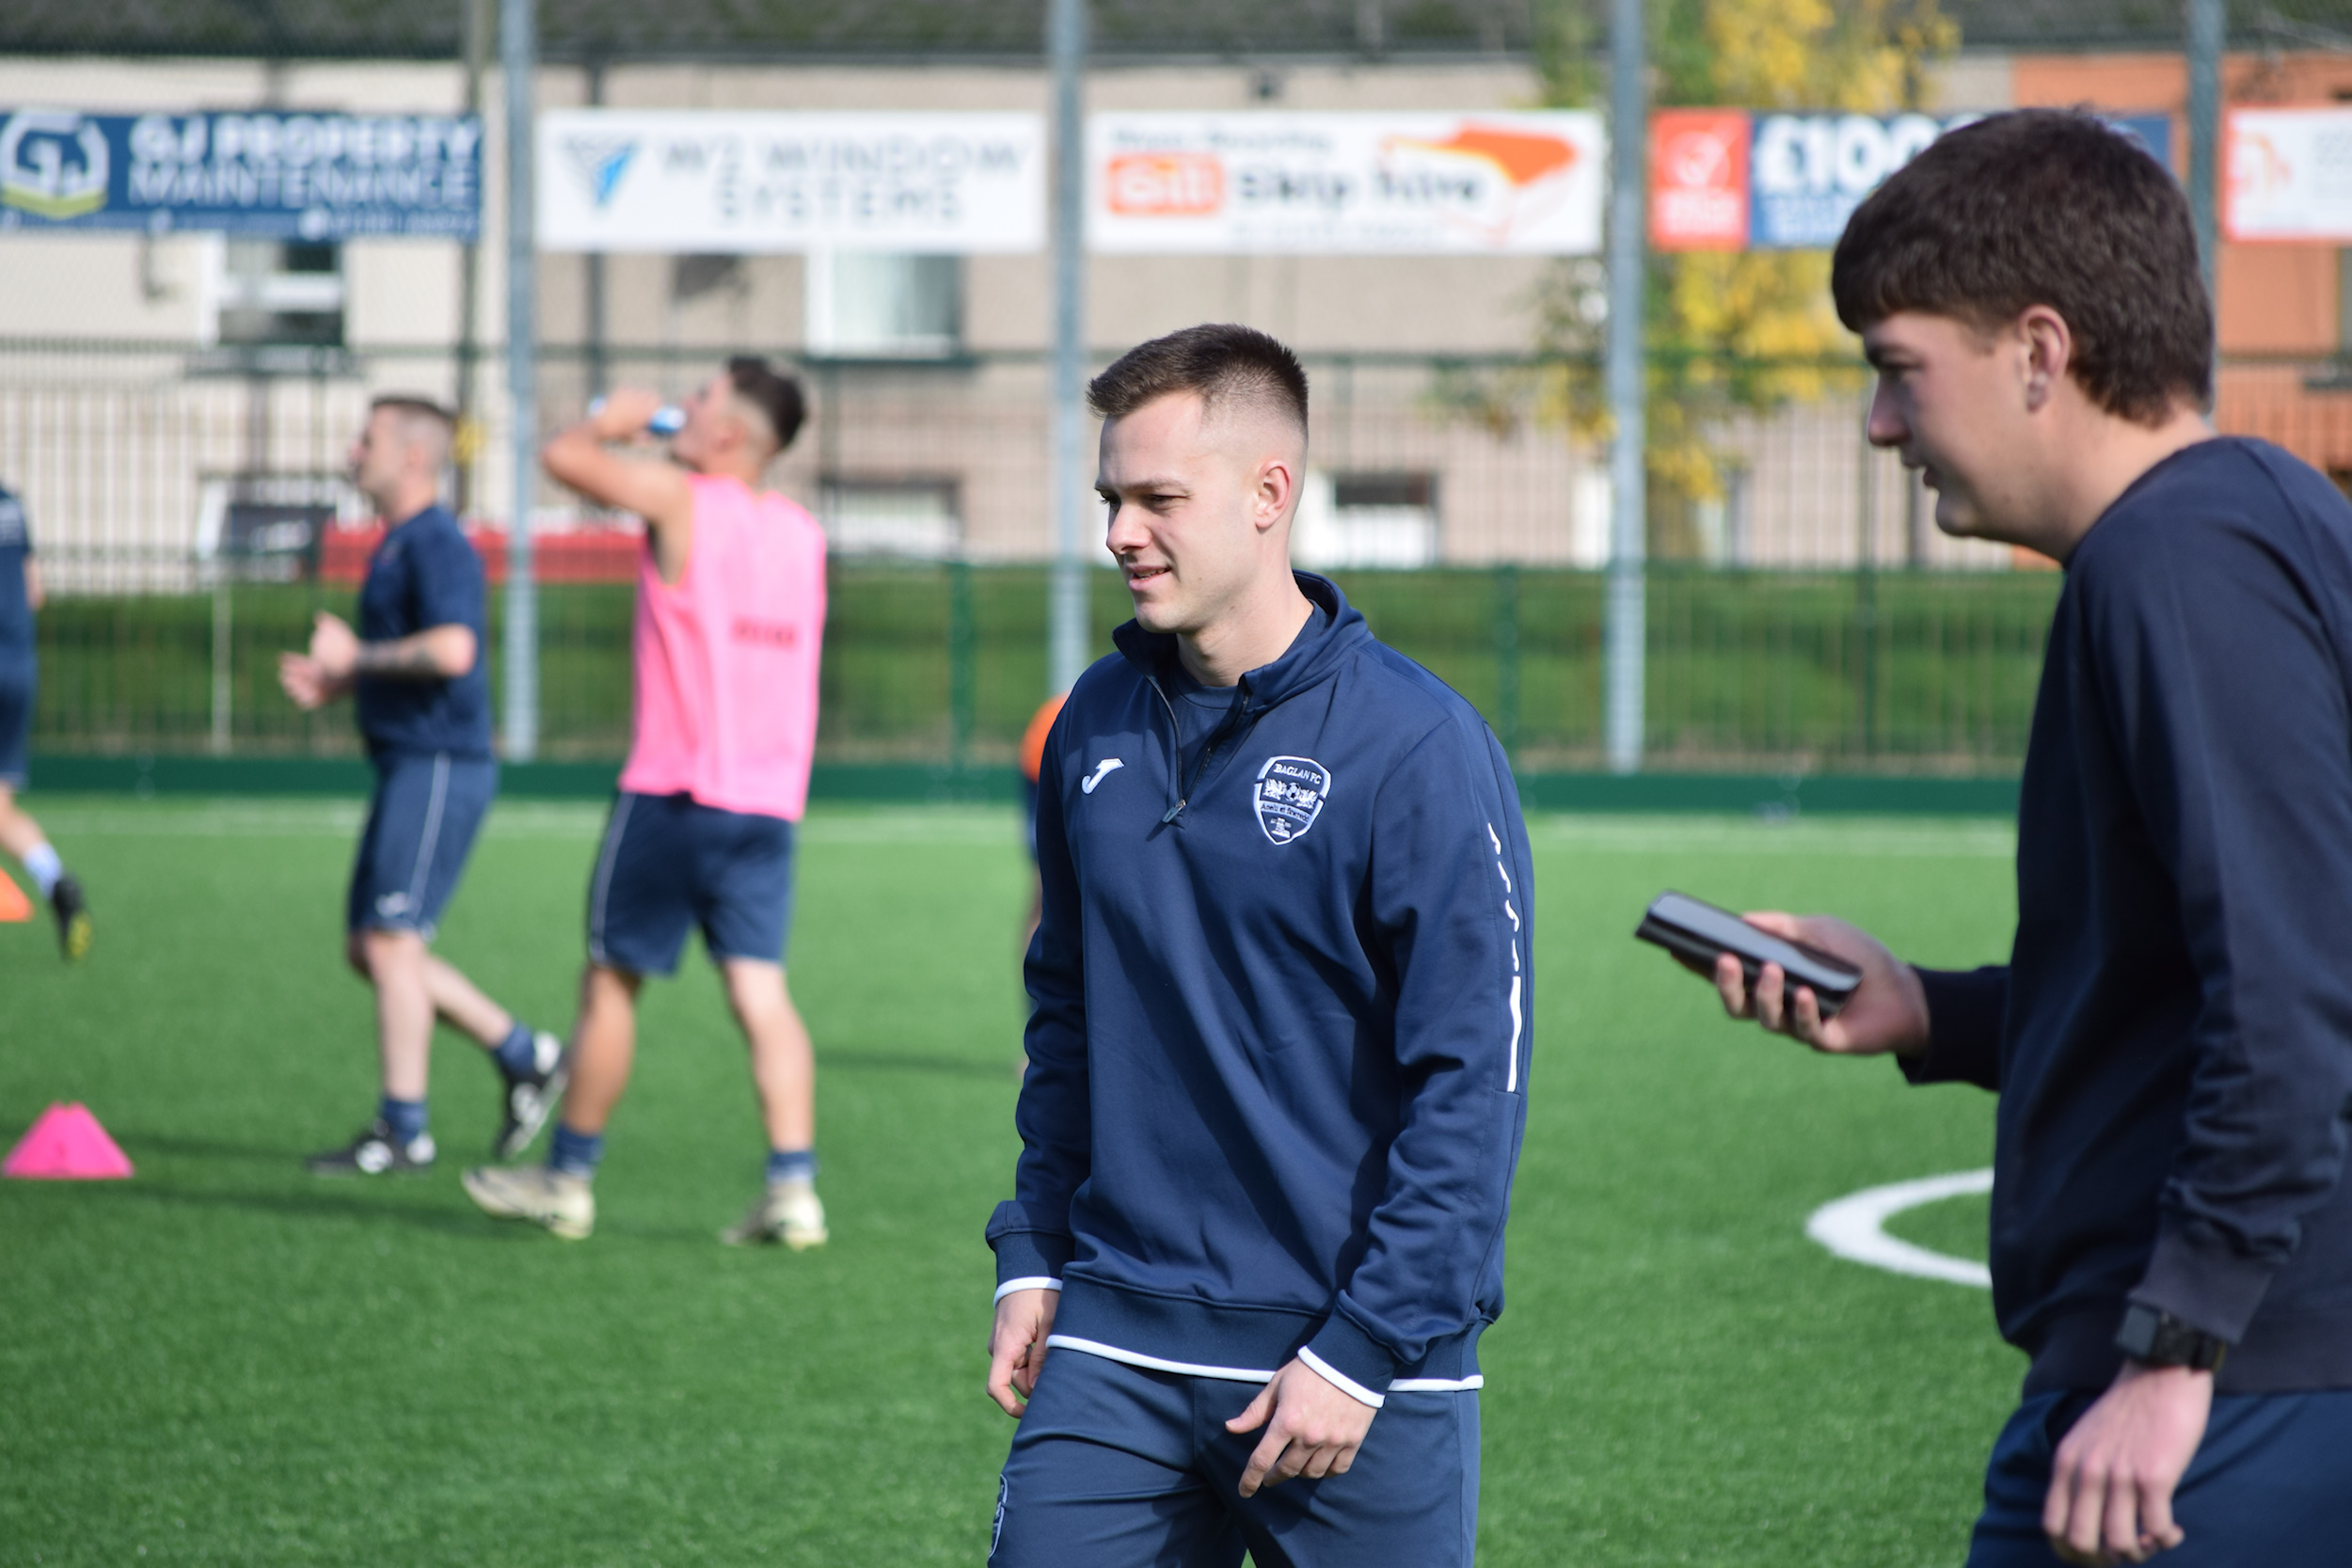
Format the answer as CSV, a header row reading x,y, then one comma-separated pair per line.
x,y
1698,179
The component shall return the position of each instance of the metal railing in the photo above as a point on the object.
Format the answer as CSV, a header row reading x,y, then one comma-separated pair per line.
x,y
942,663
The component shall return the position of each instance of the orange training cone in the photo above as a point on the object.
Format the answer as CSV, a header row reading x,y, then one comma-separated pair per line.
x,y
66,1144
13,904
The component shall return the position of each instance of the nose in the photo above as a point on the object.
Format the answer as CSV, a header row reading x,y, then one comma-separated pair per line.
x,y
1886,426
1123,531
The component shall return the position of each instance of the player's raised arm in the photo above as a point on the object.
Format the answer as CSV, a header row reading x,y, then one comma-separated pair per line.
x,y
580,456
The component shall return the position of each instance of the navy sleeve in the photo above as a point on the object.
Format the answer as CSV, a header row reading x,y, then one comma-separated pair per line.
x,y
1030,1234
1965,1012
2226,704
445,583
1449,894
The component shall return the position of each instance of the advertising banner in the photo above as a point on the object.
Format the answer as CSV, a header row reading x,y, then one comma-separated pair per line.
x,y
1809,172
2290,175
1733,180
723,181
1698,179
1350,185
273,175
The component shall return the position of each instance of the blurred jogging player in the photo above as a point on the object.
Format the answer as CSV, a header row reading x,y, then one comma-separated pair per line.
x,y
20,835
1279,1056
423,703
730,616
2172,1039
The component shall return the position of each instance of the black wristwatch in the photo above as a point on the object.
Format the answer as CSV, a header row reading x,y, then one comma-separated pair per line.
x,y
2156,1338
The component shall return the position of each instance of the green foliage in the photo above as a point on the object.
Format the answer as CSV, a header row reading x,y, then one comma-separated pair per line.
x,y
1727,331
225,1360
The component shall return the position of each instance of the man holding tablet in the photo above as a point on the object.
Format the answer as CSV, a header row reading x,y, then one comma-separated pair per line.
x,y
1277,1062
2171,1039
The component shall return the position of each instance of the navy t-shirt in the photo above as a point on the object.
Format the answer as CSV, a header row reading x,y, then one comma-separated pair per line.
x,y
16,610
423,575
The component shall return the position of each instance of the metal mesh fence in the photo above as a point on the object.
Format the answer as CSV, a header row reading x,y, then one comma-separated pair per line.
x,y
191,517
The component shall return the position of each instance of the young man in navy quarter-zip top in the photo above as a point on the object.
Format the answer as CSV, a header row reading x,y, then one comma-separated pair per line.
x,y
2171,1039
1278,1054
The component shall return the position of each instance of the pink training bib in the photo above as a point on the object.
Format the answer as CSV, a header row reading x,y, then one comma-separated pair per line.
x,y
725,705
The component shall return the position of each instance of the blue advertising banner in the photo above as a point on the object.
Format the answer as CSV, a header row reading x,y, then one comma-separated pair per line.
x,y
1807,172
267,174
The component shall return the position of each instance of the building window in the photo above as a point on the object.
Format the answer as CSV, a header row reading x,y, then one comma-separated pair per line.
x,y
280,292
1367,519
863,306
916,517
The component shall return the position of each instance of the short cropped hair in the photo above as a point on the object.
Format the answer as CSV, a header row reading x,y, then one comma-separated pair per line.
x,y
2043,207
1218,363
420,418
776,396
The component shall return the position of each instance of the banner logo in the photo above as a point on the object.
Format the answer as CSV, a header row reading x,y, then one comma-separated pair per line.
x,y
1169,184
1698,180
53,165
599,162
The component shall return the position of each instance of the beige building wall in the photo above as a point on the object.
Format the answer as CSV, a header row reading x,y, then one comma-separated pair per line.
x,y
117,450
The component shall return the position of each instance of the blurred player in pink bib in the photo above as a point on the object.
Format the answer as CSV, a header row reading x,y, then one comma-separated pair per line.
x,y
730,620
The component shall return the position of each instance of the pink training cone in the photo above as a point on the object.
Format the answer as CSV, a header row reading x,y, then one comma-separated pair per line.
x,y
66,1144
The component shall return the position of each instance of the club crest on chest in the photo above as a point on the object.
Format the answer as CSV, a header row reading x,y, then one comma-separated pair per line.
x,y
1289,795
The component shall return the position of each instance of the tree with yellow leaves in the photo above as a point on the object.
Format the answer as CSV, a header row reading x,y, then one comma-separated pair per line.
x,y
1729,330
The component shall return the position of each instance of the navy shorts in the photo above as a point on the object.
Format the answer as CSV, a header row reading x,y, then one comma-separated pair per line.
x,y
2271,1483
1119,1466
421,822
16,718
670,862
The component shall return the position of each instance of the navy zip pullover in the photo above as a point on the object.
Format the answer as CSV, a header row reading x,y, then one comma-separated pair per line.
x,y
1278,1061
2172,1037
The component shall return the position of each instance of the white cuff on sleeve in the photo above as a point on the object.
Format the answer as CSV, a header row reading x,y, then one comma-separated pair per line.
x,y
1340,1381
1038,1283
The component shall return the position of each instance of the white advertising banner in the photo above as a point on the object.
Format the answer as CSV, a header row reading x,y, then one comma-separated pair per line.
x,y
1360,184
2290,175
724,181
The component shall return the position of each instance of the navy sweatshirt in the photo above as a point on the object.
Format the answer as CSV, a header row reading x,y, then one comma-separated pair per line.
x,y
2172,1037
1278,1060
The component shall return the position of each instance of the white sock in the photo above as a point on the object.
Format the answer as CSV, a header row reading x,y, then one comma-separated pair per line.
x,y
42,862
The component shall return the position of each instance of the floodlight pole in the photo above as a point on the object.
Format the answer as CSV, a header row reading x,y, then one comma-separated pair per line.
x,y
2208,28
1066,602
519,53
1624,632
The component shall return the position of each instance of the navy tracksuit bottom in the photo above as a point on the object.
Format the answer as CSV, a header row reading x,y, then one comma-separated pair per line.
x,y
1120,1466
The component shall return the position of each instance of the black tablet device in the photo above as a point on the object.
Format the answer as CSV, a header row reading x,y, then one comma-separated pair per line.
x,y
1692,928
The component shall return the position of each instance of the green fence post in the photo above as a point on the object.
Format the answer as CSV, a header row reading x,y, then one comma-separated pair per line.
x,y
1508,659
223,659
963,683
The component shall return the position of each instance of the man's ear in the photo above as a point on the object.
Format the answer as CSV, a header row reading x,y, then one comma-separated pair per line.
x,y
2049,352
1276,489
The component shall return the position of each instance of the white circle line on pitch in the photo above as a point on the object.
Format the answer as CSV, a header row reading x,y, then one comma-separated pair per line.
x,y
1854,1227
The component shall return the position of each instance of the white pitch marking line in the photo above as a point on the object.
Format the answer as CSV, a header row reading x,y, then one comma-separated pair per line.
x,y
1853,1228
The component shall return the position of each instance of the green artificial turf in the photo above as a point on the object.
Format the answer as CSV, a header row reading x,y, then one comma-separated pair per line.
x,y
225,1360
